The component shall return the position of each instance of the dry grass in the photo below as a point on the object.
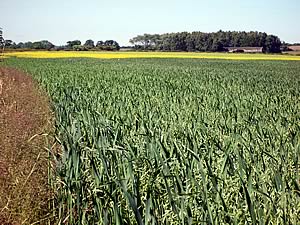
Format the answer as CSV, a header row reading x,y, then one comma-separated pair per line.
x,y
24,112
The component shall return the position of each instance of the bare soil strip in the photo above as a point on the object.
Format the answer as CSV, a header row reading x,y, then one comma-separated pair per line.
x,y
24,112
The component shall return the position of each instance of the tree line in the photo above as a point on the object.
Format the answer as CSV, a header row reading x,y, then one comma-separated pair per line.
x,y
180,41
75,45
206,42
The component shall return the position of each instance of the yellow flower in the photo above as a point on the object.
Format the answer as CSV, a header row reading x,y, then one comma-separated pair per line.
x,y
123,55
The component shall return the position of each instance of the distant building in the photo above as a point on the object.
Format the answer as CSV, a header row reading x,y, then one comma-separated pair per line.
x,y
295,47
126,49
245,49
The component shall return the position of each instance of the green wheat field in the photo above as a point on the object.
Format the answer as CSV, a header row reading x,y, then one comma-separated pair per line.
x,y
173,141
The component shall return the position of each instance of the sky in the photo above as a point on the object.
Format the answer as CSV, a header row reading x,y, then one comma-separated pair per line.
x,y
60,21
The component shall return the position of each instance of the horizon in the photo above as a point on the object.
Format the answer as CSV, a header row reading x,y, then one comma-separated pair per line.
x,y
98,20
131,45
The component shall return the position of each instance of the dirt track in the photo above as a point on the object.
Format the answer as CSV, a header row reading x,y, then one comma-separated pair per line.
x,y
24,112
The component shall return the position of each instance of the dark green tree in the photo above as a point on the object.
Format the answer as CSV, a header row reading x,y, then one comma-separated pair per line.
x,y
272,44
2,42
100,44
108,45
8,43
89,44
111,45
28,45
199,41
70,44
44,45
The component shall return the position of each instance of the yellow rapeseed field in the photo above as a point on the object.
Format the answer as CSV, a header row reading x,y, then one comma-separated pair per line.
x,y
122,55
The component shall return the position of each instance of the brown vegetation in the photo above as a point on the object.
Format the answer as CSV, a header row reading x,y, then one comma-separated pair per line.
x,y
24,118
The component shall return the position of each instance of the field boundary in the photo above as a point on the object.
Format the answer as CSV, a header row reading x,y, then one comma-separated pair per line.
x,y
25,118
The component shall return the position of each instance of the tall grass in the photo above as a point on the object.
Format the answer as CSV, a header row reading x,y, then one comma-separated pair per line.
x,y
174,141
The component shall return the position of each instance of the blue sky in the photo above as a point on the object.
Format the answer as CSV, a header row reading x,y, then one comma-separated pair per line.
x,y
62,20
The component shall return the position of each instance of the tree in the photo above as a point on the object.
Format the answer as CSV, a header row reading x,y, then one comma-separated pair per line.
x,y
89,44
111,45
199,41
28,44
46,45
70,44
2,42
79,48
108,45
99,43
146,41
20,45
8,43
217,46
284,47
272,44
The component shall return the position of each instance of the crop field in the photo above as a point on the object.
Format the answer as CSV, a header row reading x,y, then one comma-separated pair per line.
x,y
124,55
173,141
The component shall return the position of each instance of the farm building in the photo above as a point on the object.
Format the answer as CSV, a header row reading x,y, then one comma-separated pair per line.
x,y
294,47
245,49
